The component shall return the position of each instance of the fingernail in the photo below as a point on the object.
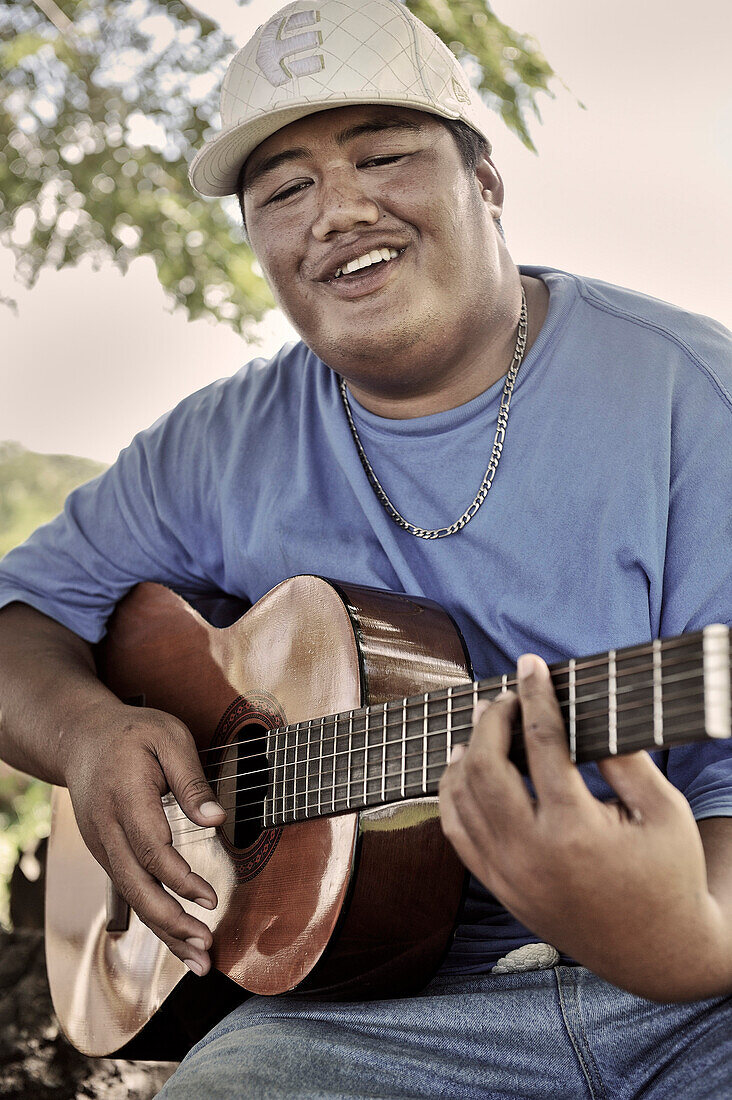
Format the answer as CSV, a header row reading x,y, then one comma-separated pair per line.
x,y
206,903
458,752
528,665
210,809
197,942
195,966
479,710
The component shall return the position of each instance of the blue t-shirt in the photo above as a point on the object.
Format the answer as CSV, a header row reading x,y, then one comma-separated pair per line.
x,y
609,521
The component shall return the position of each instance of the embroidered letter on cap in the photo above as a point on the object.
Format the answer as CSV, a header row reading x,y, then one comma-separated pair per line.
x,y
274,48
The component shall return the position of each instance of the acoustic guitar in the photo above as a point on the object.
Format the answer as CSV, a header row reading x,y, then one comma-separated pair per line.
x,y
324,718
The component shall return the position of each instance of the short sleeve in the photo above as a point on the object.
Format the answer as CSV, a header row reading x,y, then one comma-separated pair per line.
x,y
698,565
697,584
141,520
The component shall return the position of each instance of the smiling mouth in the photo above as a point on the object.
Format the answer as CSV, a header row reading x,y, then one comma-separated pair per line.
x,y
377,256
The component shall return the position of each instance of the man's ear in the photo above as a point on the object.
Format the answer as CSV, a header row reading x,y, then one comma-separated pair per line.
x,y
491,186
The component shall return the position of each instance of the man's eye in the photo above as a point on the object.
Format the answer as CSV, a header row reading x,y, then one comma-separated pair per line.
x,y
288,191
378,161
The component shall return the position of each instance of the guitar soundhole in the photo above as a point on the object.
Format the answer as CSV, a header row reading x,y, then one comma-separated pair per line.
x,y
242,785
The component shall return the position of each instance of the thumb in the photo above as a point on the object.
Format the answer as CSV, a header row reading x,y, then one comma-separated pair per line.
x,y
182,767
638,782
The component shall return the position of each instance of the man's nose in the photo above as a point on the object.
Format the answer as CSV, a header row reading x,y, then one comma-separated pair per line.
x,y
343,204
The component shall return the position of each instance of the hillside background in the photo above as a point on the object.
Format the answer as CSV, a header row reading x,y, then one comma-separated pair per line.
x,y
33,488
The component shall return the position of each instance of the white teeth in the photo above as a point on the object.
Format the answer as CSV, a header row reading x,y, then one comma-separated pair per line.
x,y
369,258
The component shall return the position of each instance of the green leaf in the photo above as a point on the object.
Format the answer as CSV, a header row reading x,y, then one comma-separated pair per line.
x,y
17,49
98,126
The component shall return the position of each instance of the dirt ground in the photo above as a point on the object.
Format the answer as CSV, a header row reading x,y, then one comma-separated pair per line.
x,y
36,1061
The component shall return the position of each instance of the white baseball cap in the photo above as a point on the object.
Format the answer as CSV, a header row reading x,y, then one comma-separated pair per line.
x,y
311,56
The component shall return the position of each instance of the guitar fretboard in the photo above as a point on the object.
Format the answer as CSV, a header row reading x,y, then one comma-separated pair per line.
x,y
649,696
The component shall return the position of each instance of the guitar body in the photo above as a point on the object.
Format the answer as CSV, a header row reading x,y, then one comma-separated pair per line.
x,y
350,905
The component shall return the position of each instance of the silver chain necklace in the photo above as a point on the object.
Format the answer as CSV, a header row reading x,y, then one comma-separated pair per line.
x,y
443,532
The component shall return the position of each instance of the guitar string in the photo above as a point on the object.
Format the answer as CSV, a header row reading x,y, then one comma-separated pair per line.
x,y
300,799
347,717
640,738
308,813
466,688
623,709
340,807
462,692
590,741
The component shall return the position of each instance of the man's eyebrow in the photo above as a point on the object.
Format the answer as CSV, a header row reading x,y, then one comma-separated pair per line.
x,y
374,126
270,163
370,126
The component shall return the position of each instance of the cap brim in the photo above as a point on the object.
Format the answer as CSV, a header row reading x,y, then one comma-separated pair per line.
x,y
215,168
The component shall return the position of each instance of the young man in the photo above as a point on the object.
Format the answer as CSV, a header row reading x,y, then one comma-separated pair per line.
x,y
545,456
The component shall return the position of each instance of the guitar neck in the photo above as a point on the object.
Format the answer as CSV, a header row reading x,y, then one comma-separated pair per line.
x,y
651,696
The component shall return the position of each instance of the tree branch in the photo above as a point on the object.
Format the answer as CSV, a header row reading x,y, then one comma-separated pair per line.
x,y
53,13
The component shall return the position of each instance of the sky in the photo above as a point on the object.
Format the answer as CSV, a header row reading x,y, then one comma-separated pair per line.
x,y
632,187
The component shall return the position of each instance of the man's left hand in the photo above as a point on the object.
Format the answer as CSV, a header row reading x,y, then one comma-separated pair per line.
x,y
620,886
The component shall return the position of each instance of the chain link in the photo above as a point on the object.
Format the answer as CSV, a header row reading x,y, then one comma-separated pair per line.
x,y
443,532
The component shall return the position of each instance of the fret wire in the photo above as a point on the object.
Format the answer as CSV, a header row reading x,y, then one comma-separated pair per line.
x,y
284,773
627,709
275,739
288,766
294,768
504,683
612,739
474,687
283,777
298,730
383,756
274,735
350,761
293,754
622,707
424,741
683,641
593,743
657,693
289,770
335,750
474,701
270,774
448,744
641,737
486,687
366,758
633,670
572,711
320,768
307,767
676,679
404,746
599,661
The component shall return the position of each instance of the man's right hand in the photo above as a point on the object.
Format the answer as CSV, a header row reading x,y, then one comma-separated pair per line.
x,y
117,768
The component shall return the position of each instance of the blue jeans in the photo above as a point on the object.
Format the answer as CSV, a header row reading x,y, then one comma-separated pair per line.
x,y
560,1034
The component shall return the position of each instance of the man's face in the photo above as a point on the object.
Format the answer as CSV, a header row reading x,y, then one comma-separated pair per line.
x,y
345,183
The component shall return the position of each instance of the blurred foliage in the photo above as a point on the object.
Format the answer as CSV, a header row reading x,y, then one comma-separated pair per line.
x,y
33,488
25,817
506,67
103,104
